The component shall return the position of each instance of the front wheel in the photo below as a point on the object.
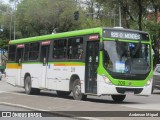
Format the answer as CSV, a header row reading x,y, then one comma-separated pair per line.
x,y
77,95
152,90
118,98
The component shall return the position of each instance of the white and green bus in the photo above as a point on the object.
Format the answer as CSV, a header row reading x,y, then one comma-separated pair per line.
x,y
98,61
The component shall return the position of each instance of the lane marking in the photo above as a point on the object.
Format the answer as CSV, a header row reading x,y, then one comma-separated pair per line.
x,y
14,93
2,91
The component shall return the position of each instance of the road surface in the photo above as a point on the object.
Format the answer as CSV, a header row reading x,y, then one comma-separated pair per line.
x,y
48,101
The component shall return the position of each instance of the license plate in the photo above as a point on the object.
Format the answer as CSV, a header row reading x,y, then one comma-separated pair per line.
x,y
129,92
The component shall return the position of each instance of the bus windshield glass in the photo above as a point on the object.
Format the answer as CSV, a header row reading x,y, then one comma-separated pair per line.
x,y
126,57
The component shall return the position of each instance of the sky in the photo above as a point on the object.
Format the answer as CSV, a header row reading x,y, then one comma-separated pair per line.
x,y
5,1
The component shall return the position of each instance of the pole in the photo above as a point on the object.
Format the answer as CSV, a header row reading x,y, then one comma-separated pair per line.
x,y
120,23
114,17
11,27
14,20
76,3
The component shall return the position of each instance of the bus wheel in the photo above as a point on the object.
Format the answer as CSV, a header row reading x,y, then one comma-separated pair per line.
x,y
152,90
77,95
63,93
118,98
28,87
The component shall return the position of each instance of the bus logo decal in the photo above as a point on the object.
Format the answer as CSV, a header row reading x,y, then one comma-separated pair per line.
x,y
130,83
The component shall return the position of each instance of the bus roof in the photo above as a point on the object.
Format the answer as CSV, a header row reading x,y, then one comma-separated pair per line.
x,y
57,35
68,34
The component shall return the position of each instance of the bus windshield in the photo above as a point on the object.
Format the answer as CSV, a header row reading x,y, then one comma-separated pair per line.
x,y
126,57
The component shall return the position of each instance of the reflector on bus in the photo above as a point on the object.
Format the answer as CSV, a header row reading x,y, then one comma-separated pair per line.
x,y
45,42
20,46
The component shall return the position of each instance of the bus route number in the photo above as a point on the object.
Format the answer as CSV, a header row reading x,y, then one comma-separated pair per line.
x,y
121,83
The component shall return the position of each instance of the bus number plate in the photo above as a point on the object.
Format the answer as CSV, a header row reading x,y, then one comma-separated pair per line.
x,y
121,83
129,92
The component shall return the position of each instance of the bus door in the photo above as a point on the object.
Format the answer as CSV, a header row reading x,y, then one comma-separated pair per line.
x,y
19,59
92,61
44,60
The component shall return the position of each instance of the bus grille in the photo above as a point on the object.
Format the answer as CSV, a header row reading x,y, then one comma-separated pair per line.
x,y
123,90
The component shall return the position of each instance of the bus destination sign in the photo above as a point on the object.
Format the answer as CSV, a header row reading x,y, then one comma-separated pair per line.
x,y
125,35
130,35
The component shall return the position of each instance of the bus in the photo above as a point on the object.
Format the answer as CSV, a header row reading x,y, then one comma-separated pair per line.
x,y
98,61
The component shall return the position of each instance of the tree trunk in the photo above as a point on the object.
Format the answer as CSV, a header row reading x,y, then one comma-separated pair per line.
x,y
156,39
156,51
139,2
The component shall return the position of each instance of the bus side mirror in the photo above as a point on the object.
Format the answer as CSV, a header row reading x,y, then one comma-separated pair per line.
x,y
44,61
19,61
101,46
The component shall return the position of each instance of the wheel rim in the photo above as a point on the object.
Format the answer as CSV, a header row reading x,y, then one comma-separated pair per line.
x,y
77,90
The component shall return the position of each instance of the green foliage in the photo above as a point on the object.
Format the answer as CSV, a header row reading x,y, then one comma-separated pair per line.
x,y
43,16
3,44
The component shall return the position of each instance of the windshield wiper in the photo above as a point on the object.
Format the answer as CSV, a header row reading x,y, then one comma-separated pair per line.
x,y
138,46
129,74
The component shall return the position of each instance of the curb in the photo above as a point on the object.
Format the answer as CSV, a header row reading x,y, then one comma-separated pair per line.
x,y
59,114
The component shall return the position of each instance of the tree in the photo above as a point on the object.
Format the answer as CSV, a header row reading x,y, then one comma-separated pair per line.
x,y
43,17
4,27
153,27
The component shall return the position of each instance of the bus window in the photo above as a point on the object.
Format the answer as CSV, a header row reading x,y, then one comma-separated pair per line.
x,y
75,48
34,51
59,49
19,54
12,53
26,53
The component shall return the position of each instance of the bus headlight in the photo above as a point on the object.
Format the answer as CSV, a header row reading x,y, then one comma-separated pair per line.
x,y
149,81
106,80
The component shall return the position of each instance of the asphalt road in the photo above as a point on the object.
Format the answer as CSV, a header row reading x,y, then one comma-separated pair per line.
x,y
48,101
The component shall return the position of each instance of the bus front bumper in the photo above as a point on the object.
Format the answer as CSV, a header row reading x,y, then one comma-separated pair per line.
x,y
110,89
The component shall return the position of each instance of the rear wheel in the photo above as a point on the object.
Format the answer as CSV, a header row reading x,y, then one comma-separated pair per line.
x,y
63,93
118,98
28,87
77,95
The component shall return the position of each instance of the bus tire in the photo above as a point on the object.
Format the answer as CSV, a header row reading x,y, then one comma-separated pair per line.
x,y
28,87
152,90
63,93
118,98
77,95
